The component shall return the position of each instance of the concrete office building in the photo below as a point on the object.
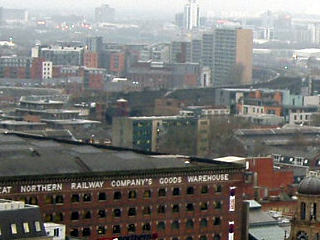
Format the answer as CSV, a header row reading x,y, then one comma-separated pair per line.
x,y
104,13
228,52
63,55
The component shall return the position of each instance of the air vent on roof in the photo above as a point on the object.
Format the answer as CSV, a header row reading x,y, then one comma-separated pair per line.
x,y
34,152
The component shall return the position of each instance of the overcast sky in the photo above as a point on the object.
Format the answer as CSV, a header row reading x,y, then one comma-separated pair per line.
x,y
306,6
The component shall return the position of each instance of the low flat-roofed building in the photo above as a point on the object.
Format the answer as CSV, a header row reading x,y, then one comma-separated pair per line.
x,y
21,221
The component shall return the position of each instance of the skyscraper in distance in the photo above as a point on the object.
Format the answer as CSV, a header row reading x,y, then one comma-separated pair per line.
x,y
191,15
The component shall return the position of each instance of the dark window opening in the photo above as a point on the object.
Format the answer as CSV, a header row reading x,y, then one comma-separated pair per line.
x,y
162,192
132,195
86,232
102,196
101,230
87,197
132,212
87,215
75,198
161,209
102,213
176,192
74,215
117,195
190,190
204,189
117,212
190,207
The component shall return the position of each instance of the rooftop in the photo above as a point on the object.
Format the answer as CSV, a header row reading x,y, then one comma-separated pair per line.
x,y
25,155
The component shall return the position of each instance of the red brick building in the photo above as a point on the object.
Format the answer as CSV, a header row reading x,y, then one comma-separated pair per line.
x,y
91,59
106,192
117,63
263,180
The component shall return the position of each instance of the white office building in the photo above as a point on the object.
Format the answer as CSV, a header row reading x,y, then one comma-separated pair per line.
x,y
191,15
46,70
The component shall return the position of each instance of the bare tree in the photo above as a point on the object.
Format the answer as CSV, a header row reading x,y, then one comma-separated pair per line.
x,y
178,140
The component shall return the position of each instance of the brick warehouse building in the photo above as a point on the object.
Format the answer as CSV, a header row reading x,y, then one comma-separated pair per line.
x,y
104,192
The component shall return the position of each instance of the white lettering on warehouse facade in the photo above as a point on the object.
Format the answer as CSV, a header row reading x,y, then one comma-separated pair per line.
x,y
41,188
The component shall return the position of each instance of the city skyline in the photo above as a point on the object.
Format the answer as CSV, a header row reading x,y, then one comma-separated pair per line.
x,y
295,6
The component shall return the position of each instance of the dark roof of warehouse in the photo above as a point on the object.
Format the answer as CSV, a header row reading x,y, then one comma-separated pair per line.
x,y
23,155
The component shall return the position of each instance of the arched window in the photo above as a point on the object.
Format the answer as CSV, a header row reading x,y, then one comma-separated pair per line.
x,y
190,190
216,237
313,211
175,225
189,224
131,228
203,223
146,227
161,226
132,194
303,211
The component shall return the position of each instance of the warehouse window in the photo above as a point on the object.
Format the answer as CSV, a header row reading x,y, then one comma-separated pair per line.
x,y
87,197
101,230
33,200
175,208
203,223
219,189
218,205
86,232
204,189
117,195
132,228
146,227
116,229
216,237
203,237
59,199
189,238
175,225
102,213
189,224
59,217
48,199
162,192
147,194
190,207
117,212
162,209
74,232
203,206
161,226
217,221
190,190
74,215
132,212
75,198
146,211
48,217
176,192
102,196
87,215
132,195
